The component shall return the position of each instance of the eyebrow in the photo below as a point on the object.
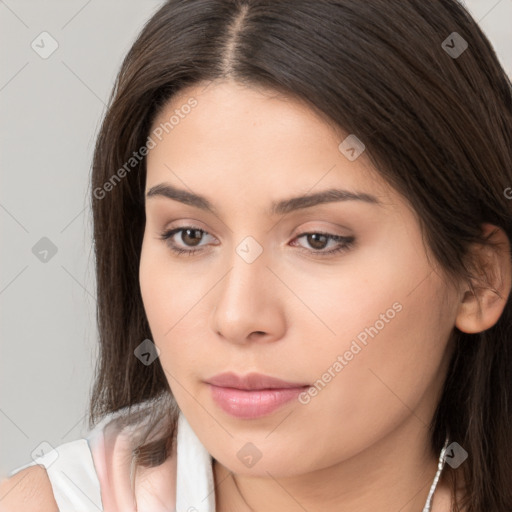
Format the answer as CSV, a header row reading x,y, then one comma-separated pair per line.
x,y
277,207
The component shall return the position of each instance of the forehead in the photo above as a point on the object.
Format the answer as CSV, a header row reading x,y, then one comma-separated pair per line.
x,y
253,101
246,139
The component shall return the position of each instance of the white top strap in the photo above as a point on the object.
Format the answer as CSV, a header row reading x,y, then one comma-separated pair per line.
x,y
73,477
195,490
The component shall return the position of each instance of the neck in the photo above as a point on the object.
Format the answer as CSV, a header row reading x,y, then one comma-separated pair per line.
x,y
394,473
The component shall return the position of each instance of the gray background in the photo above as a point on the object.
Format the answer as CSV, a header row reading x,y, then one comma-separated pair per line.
x,y
51,110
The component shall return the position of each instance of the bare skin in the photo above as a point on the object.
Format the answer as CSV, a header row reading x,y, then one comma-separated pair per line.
x,y
362,442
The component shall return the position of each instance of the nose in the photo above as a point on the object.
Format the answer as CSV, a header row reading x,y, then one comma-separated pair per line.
x,y
248,303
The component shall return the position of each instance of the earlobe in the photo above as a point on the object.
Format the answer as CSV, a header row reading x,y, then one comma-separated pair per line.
x,y
481,309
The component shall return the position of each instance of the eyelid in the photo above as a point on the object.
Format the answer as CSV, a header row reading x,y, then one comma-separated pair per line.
x,y
194,224
178,229
332,228
343,243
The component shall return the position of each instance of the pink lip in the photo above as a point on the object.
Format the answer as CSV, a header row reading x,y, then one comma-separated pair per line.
x,y
252,395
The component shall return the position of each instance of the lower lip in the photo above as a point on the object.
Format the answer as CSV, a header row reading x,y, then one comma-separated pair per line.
x,y
252,404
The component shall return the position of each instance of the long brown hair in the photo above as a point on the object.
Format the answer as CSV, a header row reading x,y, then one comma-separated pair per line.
x,y
436,125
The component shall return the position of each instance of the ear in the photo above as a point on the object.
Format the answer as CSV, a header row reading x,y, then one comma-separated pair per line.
x,y
481,309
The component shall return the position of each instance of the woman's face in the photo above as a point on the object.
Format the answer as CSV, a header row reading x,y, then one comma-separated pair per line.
x,y
364,329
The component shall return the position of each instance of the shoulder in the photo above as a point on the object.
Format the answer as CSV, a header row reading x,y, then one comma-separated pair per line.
x,y
101,463
49,482
29,490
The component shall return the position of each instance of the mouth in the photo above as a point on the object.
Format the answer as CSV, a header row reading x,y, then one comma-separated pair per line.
x,y
252,382
253,395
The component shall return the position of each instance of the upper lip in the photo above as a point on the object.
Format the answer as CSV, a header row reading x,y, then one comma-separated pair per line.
x,y
252,381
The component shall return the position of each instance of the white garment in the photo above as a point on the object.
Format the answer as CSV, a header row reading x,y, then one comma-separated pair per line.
x,y
93,474
76,483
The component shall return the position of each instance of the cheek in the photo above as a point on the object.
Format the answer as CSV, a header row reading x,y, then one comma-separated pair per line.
x,y
395,370
388,326
172,302
166,290
157,290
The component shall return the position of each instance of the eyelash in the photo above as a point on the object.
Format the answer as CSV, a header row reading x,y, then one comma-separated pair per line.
x,y
346,242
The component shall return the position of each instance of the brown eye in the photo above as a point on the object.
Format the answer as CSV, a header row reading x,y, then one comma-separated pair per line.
x,y
190,237
319,241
